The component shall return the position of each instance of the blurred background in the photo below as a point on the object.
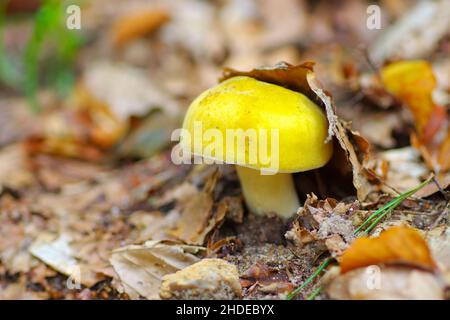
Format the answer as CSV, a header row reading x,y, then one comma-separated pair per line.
x,y
116,65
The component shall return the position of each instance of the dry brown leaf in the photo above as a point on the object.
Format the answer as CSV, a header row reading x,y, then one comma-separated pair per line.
x,y
327,221
137,24
270,280
200,216
58,254
395,245
140,268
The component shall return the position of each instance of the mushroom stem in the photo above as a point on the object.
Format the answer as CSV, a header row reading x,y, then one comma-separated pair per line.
x,y
268,193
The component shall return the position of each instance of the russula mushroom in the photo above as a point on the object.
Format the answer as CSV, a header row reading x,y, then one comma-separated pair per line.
x,y
243,103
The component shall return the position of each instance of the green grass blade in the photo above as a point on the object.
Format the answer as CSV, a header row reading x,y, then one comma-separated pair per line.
x,y
322,266
391,205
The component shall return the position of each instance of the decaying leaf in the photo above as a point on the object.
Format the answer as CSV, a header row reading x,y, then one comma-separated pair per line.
x,y
57,253
395,245
133,25
352,150
269,280
324,220
386,283
140,268
200,215
14,172
126,90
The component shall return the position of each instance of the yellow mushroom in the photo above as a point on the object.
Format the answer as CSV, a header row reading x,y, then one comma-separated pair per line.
x,y
266,130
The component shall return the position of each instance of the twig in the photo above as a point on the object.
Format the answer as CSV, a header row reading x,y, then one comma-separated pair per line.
x,y
441,216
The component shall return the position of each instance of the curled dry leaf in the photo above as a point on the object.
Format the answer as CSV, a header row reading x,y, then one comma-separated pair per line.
x,y
326,220
413,82
351,156
140,268
136,24
57,253
200,215
269,280
395,245
85,129
126,91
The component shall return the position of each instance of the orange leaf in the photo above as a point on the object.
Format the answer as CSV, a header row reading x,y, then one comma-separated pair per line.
x,y
412,82
137,24
395,245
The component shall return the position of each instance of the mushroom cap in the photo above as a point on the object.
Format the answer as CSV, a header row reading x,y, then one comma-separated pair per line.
x,y
243,103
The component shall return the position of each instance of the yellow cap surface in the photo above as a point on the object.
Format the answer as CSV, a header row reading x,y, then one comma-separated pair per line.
x,y
243,103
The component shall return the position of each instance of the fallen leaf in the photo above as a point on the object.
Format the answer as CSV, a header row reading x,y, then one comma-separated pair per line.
x,y
270,280
140,268
395,245
127,91
416,34
438,240
327,221
136,24
206,279
58,254
200,216
413,82
387,283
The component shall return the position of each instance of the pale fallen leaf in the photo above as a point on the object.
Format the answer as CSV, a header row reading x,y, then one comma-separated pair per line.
x,y
388,283
126,90
439,242
58,254
414,35
140,268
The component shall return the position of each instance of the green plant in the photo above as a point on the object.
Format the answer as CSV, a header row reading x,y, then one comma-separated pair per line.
x,y
48,56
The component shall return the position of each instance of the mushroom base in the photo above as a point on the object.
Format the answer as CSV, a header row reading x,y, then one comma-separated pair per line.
x,y
268,193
